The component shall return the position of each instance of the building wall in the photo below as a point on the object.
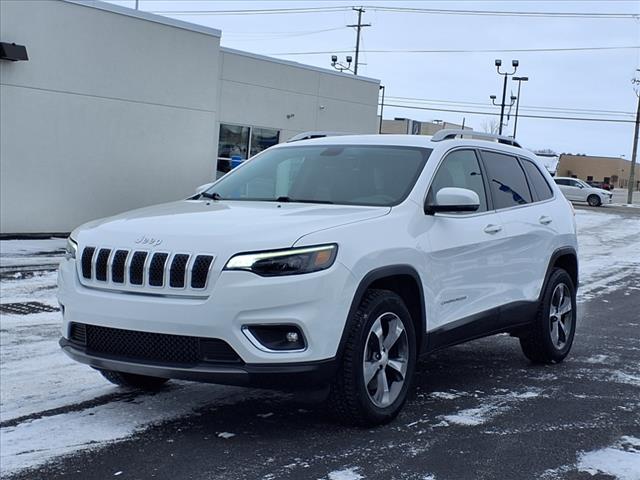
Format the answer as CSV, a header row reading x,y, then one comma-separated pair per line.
x,y
583,166
293,98
109,113
118,109
408,126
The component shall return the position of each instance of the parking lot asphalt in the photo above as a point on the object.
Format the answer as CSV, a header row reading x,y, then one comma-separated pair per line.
x,y
479,411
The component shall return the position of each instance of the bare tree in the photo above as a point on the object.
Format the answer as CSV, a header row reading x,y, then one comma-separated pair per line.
x,y
491,126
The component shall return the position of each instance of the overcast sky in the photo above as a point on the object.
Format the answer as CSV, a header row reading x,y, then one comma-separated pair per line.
x,y
589,80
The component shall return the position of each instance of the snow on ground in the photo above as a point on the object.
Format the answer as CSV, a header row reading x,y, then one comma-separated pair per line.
x,y
608,251
622,460
44,395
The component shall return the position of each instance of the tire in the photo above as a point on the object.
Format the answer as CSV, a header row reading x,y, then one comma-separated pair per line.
x,y
355,402
131,380
594,200
546,342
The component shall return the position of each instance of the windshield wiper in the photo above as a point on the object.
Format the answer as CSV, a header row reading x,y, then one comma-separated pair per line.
x,y
300,200
212,196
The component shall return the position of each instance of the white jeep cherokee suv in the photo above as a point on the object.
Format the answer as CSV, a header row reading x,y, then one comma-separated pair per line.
x,y
334,261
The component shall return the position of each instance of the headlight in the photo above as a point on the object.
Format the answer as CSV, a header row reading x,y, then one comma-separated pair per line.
x,y
285,262
71,248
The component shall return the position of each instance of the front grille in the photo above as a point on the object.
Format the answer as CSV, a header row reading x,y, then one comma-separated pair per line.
x,y
151,347
200,271
119,268
101,264
87,258
178,270
156,269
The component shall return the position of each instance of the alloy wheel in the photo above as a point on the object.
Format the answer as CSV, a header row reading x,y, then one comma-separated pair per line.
x,y
560,316
386,358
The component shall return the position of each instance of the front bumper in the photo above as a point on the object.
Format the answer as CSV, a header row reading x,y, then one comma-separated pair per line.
x,y
284,375
317,303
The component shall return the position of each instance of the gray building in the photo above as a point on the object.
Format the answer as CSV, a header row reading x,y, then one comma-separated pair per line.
x,y
116,109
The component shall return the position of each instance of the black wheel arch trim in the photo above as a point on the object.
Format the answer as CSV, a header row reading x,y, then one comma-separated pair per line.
x,y
365,284
560,252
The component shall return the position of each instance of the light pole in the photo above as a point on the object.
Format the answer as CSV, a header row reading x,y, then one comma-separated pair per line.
x,y
381,109
630,187
519,80
498,64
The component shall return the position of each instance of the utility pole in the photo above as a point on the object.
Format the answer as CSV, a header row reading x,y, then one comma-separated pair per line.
x,y
359,26
631,185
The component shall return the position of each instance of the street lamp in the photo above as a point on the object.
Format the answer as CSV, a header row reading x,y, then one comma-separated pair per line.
x,y
341,66
498,64
519,80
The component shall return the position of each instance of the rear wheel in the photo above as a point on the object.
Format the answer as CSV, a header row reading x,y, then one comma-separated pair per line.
x,y
550,337
377,366
594,200
131,380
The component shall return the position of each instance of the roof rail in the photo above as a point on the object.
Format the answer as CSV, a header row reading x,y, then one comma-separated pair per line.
x,y
315,134
447,134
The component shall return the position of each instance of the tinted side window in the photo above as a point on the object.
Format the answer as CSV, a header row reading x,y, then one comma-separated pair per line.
x,y
460,169
506,179
562,181
537,182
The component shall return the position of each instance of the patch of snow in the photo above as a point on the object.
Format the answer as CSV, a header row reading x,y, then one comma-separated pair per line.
x,y
346,474
31,252
226,435
621,460
445,395
35,442
622,377
265,415
473,416
597,359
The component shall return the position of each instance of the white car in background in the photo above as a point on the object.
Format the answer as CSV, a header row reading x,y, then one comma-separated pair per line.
x,y
575,190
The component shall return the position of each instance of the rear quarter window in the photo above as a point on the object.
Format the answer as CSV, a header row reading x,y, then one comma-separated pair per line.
x,y
539,186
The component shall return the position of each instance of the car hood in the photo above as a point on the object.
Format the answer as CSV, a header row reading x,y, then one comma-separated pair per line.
x,y
218,227
601,191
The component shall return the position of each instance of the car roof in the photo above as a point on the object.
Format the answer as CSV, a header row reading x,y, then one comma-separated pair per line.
x,y
423,141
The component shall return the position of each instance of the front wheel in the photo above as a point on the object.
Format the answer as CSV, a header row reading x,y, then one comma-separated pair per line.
x,y
594,200
131,380
377,366
550,337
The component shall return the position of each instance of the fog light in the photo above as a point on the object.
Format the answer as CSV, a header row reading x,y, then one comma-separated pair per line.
x,y
272,338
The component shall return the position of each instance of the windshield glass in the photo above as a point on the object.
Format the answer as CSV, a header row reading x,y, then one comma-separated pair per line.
x,y
343,174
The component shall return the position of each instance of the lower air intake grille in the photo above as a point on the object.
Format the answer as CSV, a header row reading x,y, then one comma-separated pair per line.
x,y
152,347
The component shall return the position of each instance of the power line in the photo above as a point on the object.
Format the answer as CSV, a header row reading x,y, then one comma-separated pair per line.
x,y
439,11
493,50
530,107
256,11
548,117
431,11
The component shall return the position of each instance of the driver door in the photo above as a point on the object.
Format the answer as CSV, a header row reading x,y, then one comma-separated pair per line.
x,y
465,252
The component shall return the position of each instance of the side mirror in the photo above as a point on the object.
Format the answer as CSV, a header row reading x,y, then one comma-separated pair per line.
x,y
453,199
204,187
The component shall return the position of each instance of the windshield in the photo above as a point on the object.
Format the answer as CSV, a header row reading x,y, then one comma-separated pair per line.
x,y
342,174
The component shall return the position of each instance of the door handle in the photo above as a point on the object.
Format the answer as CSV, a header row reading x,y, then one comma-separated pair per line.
x,y
492,228
544,220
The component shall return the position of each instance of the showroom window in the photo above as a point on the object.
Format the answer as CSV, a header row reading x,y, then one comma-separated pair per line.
x,y
242,142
